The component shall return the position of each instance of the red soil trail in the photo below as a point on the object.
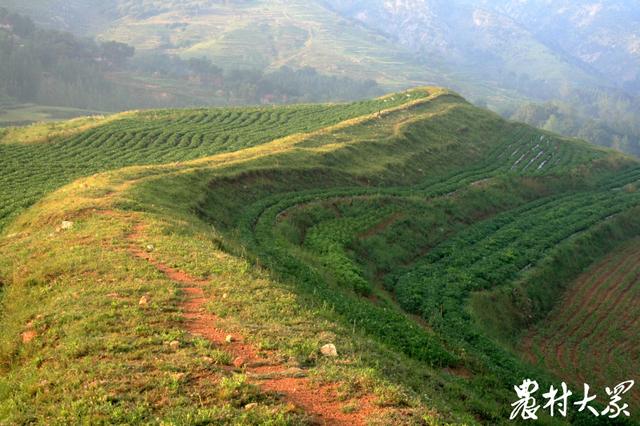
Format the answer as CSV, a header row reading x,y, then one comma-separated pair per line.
x,y
320,402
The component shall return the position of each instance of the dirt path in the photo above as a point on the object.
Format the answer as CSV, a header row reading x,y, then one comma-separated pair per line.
x,y
321,402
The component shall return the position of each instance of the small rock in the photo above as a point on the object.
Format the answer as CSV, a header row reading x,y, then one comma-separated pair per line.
x,y
150,247
225,295
229,339
66,225
239,362
144,301
251,406
207,359
329,350
174,345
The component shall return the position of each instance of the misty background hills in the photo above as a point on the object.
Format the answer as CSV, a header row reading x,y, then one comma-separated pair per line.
x,y
568,66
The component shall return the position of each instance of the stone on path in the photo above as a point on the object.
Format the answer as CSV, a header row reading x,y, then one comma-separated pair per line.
x,y
329,350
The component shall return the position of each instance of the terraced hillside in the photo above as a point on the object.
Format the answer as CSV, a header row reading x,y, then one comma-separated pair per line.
x,y
421,236
592,333
32,168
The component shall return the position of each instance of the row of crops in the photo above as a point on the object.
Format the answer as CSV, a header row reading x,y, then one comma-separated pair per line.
x,y
496,251
312,235
27,172
577,337
492,253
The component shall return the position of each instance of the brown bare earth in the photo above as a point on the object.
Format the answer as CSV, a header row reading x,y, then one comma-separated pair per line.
x,y
592,335
320,402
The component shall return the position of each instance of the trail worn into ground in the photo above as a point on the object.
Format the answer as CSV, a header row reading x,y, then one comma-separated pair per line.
x,y
321,402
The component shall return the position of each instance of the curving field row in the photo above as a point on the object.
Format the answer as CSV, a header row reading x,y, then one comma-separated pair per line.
x,y
390,224
593,333
496,251
538,155
155,137
492,253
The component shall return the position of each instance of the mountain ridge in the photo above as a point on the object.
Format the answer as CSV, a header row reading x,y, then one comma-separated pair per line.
x,y
292,228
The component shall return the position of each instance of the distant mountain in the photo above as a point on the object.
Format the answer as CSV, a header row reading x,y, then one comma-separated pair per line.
x,y
524,48
553,42
265,34
250,34
56,69
604,35
498,53
82,17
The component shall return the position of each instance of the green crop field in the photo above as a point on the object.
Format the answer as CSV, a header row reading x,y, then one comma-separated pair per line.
x,y
31,169
429,240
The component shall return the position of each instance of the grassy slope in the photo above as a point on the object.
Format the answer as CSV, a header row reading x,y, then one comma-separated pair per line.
x,y
297,205
146,138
